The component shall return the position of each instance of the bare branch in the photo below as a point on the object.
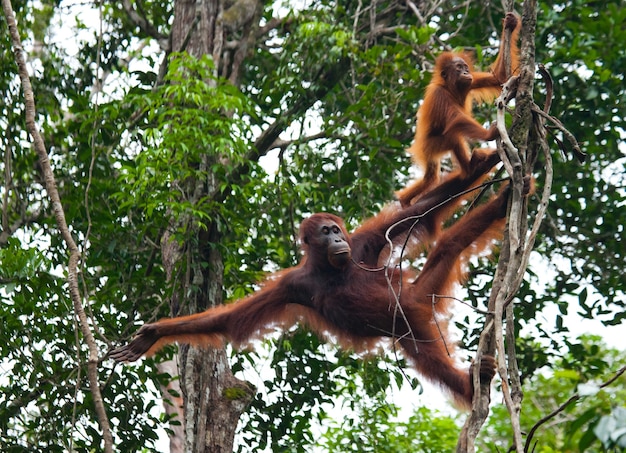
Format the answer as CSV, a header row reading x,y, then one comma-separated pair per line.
x,y
282,144
570,137
272,24
549,87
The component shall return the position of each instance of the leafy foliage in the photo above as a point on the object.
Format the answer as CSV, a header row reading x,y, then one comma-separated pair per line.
x,y
376,431
593,423
119,143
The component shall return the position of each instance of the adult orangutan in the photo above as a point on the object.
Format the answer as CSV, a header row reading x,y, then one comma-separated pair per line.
x,y
341,289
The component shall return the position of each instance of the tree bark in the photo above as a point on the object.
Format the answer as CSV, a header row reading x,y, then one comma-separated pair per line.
x,y
173,404
515,246
213,398
61,221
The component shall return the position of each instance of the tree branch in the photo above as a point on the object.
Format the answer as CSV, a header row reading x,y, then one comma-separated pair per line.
x,y
512,264
326,82
8,230
580,155
57,207
143,23
282,144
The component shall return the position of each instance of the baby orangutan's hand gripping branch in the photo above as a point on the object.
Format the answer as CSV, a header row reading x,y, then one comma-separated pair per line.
x,y
339,289
445,121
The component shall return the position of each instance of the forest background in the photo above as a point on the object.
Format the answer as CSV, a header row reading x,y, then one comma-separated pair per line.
x,y
189,139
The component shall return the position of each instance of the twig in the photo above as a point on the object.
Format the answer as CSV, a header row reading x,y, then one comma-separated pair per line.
x,y
57,207
580,155
417,218
283,144
25,219
461,301
562,407
549,87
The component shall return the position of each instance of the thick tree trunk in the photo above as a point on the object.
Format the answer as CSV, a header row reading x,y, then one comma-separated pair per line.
x,y
213,399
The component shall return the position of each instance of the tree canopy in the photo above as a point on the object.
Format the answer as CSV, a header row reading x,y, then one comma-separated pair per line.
x,y
186,151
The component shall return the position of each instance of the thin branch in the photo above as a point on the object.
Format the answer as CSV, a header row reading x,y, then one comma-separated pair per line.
x,y
562,407
282,144
549,87
580,155
142,22
8,230
57,207
461,301
416,11
272,24
326,82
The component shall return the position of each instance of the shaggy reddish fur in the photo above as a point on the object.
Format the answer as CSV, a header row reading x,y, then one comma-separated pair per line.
x,y
351,299
445,121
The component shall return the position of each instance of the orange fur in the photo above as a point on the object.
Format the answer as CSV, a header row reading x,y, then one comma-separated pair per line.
x,y
351,300
445,121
